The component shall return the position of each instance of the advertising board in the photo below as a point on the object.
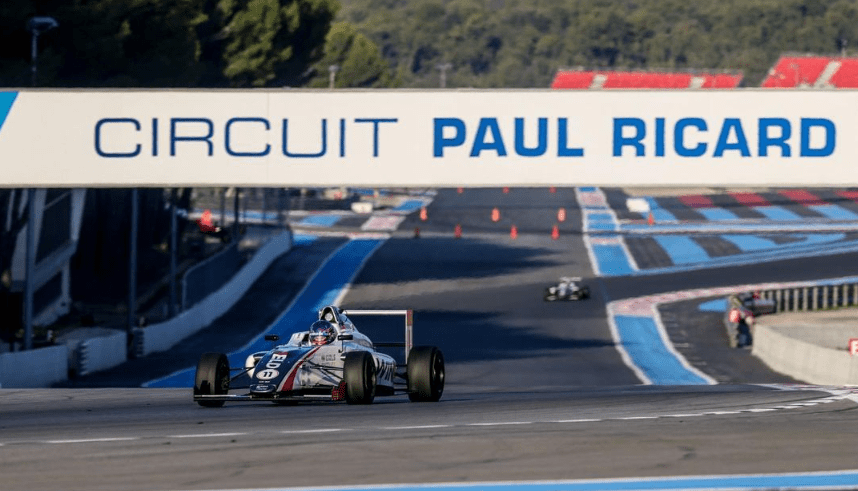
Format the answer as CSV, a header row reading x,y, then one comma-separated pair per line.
x,y
428,138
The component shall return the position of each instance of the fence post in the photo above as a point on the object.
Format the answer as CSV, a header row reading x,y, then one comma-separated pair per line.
x,y
804,299
778,306
835,298
824,297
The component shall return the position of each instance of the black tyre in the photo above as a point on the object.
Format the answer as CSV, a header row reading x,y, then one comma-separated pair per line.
x,y
585,292
212,378
549,297
425,374
360,377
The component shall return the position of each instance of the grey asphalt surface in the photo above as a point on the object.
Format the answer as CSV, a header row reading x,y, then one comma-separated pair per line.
x,y
535,390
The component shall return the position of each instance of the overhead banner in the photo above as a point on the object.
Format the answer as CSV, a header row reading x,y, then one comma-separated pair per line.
x,y
428,138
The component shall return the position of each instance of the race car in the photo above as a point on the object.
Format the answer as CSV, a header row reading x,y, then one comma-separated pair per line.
x,y
568,288
330,361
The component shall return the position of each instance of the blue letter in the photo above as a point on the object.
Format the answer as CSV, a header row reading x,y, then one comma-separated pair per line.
x,y
245,154
659,137
620,141
679,137
375,130
767,141
480,144
441,142
741,141
206,138
563,149
542,137
101,152
286,140
830,137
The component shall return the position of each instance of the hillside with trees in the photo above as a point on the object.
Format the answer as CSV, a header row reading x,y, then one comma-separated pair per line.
x,y
521,43
403,43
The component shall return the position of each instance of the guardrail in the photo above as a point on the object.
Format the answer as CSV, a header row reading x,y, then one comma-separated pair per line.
x,y
742,308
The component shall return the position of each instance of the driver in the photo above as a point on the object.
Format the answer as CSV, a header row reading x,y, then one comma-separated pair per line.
x,y
322,332
563,287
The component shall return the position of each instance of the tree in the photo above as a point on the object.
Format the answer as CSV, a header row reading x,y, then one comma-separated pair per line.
x,y
274,42
358,59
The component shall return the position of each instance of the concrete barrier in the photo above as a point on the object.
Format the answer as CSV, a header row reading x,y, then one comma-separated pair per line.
x,y
804,360
40,367
165,335
91,349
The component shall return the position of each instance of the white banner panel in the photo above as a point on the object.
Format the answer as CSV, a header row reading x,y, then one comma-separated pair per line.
x,y
428,138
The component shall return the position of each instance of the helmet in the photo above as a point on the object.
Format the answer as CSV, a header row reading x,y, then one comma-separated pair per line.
x,y
322,332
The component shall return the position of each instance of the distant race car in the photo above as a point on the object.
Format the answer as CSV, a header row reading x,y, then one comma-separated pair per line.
x,y
330,361
569,288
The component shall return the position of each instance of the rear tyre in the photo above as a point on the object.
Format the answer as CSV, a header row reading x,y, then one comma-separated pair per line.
x,y
548,296
360,377
212,378
425,374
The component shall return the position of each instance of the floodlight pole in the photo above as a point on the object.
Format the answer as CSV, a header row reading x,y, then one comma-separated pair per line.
x,y
332,75
36,26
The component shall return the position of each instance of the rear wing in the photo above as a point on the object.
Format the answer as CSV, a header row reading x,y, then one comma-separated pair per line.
x,y
409,324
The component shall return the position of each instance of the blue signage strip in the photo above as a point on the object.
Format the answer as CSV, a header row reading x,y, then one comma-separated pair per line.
x,y
6,101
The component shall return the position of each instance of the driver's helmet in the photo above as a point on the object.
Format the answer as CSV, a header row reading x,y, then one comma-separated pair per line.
x,y
322,332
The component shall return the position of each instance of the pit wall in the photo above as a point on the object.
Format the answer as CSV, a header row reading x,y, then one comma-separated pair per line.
x,y
165,335
804,361
44,367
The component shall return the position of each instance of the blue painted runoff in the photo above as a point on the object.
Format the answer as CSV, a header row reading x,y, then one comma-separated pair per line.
x,y
641,339
777,213
409,205
322,289
717,214
600,221
659,213
682,249
834,212
320,220
612,260
717,305
587,189
809,480
749,243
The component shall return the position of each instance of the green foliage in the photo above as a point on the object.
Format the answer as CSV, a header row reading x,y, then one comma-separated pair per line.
x,y
356,60
522,43
165,43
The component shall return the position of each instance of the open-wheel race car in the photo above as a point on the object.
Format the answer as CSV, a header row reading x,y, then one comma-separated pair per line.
x,y
330,361
568,288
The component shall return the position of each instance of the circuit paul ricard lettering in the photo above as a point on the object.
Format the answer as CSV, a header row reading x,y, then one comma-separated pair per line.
x,y
636,137
631,137
130,137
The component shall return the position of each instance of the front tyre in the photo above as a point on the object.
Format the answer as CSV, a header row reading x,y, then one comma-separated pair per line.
x,y
425,374
212,378
360,377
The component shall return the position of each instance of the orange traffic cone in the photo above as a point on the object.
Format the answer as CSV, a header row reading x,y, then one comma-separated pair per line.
x,y
495,215
460,190
423,214
505,190
650,220
561,215
457,232
555,233
552,190
513,232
